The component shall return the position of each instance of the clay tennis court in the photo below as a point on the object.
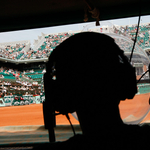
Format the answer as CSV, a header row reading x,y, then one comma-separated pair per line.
x,y
33,114
28,115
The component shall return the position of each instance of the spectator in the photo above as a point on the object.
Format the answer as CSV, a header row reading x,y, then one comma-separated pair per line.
x,y
1,76
19,88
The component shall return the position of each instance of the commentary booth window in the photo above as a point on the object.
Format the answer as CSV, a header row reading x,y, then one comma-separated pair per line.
x,y
23,58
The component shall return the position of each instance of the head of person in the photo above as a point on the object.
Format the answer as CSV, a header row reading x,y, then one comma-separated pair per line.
x,y
88,72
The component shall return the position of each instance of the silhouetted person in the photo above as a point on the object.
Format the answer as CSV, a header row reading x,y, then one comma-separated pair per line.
x,y
91,80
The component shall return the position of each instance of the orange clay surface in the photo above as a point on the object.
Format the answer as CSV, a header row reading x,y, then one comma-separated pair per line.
x,y
137,107
28,115
33,115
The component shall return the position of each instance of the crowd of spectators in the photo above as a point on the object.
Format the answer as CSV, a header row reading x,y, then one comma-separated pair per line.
x,y
10,71
17,53
143,37
50,42
12,52
53,40
124,45
19,86
32,54
6,88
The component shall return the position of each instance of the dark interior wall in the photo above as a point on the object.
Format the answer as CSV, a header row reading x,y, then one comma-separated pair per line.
x,y
18,15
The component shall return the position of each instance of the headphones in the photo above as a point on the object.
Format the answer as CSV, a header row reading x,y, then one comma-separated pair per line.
x,y
127,77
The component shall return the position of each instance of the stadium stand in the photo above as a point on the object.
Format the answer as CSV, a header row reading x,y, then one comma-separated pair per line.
x,y
143,35
29,80
46,43
21,52
17,82
14,50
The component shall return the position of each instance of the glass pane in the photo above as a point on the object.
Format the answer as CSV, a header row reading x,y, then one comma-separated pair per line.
x,y
23,55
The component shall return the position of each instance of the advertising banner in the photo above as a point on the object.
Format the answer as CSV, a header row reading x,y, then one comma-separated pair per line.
x,y
42,98
21,100
39,99
29,98
2,102
8,100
